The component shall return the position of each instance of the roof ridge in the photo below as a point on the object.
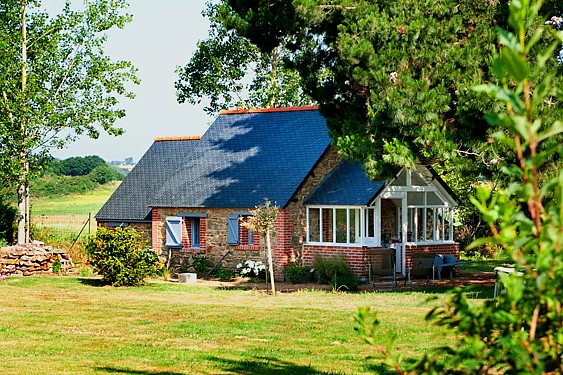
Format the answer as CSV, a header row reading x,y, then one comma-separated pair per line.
x,y
179,138
266,110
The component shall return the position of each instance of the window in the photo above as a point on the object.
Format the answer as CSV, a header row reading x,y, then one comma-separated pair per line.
x,y
334,225
428,218
195,232
238,234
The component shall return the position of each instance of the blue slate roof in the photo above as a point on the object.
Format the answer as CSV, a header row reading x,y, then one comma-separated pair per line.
x,y
347,184
241,159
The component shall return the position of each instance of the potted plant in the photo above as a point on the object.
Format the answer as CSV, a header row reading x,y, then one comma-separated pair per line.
x,y
297,274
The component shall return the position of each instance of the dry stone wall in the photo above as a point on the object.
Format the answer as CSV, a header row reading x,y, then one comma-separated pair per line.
x,y
29,259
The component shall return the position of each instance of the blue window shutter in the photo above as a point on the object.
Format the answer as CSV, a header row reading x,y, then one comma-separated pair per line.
x,y
173,231
233,232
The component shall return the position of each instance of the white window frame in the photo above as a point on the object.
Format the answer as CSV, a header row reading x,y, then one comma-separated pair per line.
x,y
359,225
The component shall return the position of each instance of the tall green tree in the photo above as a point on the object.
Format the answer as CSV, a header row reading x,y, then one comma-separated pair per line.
x,y
56,83
521,331
229,71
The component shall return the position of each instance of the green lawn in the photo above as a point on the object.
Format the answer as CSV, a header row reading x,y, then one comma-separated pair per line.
x,y
66,325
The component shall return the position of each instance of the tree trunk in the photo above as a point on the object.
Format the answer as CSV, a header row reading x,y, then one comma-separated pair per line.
x,y
23,205
270,262
23,185
21,213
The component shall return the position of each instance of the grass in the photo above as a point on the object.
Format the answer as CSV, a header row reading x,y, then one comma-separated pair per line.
x,y
66,325
74,204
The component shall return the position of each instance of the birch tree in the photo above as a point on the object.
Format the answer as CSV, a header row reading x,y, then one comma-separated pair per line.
x,y
262,222
56,83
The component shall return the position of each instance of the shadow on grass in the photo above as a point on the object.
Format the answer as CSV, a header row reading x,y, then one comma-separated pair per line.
x,y
114,370
472,291
92,282
381,369
266,366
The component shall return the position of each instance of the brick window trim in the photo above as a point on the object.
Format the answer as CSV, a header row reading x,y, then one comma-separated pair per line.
x,y
247,247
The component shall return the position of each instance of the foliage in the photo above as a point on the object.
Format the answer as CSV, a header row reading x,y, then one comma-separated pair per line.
x,y
201,264
231,72
521,331
104,174
57,265
56,83
76,165
393,78
335,271
224,275
52,186
296,273
122,257
252,268
7,221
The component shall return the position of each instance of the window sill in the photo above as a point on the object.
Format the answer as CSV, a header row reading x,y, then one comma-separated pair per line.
x,y
340,244
248,247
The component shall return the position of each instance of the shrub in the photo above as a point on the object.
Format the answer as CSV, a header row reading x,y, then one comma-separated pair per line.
x,y
7,223
103,174
297,274
77,165
121,257
335,271
201,264
224,275
51,186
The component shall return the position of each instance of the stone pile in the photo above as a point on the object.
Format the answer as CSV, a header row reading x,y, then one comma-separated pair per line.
x,y
29,259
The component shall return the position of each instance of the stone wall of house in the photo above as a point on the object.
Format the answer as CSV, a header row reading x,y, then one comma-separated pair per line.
x,y
144,228
29,259
296,209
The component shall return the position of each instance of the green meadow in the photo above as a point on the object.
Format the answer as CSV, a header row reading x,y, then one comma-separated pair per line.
x,y
73,204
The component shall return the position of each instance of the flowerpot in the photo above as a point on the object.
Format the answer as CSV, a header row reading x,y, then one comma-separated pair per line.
x,y
187,278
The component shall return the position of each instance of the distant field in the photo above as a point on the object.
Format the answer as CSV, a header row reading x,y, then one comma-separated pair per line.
x,y
75,204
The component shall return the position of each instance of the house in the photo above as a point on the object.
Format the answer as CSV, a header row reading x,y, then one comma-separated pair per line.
x,y
188,195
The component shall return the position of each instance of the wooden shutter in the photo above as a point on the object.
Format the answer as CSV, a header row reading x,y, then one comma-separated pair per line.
x,y
173,231
233,237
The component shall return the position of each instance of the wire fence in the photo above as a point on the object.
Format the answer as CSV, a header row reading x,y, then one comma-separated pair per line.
x,y
68,232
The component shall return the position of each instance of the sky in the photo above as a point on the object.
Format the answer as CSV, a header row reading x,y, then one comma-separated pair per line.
x,y
162,36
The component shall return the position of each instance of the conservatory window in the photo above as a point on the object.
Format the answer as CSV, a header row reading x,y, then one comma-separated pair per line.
x,y
428,217
334,225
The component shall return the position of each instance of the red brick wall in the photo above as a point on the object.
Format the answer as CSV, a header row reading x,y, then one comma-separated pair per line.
x,y
283,250
357,257
444,249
